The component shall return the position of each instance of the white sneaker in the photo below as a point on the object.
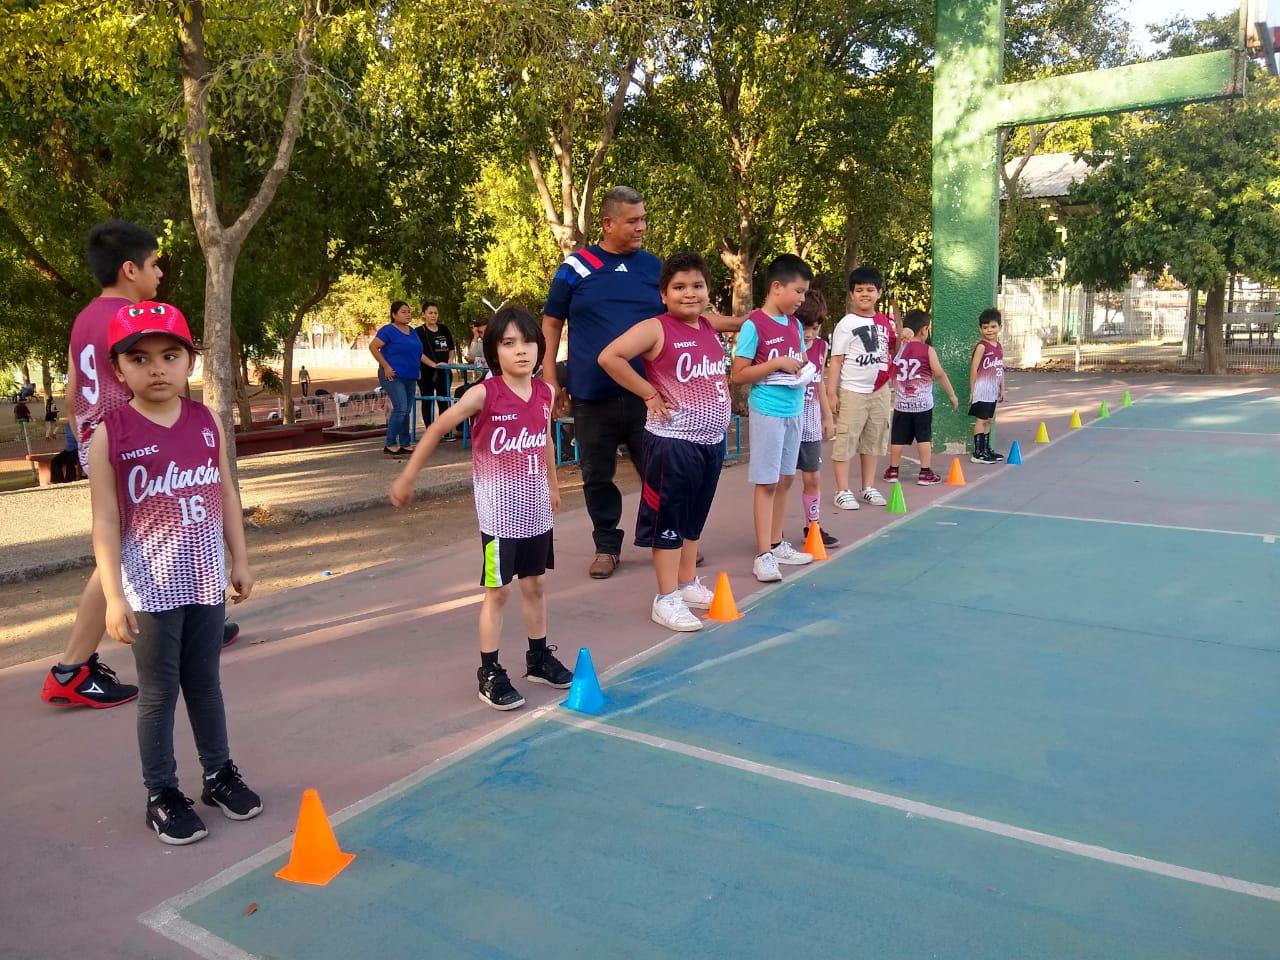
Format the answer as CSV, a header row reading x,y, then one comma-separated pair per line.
x,y
845,500
786,553
873,496
670,611
766,568
695,594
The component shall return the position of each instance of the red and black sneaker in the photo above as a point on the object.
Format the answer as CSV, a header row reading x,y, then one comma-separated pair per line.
x,y
92,684
230,633
927,477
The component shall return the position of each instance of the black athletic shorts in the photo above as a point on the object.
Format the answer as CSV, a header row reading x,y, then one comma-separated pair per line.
x,y
810,459
909,428
983,409
679,483
506,558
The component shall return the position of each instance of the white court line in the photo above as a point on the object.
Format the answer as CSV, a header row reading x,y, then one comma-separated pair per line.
x,y
1228,433
1266,537
917,808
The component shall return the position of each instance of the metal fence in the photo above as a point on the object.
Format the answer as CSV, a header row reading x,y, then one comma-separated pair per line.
x,y
1051,324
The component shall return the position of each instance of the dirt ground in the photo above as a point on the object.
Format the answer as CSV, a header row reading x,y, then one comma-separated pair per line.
x,y
37,615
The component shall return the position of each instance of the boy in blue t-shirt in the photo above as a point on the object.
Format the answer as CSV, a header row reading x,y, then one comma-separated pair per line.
x,y
769,356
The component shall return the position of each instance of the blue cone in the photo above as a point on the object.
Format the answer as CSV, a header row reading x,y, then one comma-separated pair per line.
x,y
1015,455
585,695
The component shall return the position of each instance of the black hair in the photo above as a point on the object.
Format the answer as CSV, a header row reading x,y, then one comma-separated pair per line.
x,y
395,306
113,244
525,325
989,315
915,320
786,268
814,309
429,303
865,275
685,260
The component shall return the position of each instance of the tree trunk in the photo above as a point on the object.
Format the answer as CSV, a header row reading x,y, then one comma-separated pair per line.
x,y
26,372
46,378
1215,349
219,369
1189,335
241,383
852,251
286,370
742,262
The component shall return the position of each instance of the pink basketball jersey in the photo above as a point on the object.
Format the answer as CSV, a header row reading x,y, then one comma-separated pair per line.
x,y
986,385
97,390
509,461
913,376
811,417
689,371
775,339
169,488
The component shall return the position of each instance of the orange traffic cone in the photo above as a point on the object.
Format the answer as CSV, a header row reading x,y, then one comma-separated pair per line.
x,y
956,477
316,858
813,544
723,608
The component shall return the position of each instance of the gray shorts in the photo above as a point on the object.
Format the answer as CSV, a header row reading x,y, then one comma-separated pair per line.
x,y
775,447
810,460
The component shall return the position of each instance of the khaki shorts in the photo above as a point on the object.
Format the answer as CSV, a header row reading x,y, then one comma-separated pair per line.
x,y
862,425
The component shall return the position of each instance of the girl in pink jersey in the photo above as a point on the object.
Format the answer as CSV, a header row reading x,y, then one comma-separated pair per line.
x,y
163,503
816,421
517,494
687,395
916,366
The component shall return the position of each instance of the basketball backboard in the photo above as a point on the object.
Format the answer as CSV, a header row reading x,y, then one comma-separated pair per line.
x,y
1262,30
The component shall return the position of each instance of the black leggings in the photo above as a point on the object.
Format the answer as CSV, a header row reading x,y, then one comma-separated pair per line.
x,y
179,649
435,383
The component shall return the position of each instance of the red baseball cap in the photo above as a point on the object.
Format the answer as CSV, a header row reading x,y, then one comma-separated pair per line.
x,y
145,319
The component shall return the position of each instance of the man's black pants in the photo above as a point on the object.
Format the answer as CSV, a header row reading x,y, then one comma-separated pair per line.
x,y
599,426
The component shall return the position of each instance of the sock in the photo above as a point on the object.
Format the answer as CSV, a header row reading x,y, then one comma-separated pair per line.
x,y
811,507
488,659
773,547
538,645
766,553
65,671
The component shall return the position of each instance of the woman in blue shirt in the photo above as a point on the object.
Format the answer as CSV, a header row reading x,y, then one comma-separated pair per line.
x,y
399,354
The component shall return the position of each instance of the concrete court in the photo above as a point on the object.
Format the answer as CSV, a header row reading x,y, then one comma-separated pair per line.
x,y
341,695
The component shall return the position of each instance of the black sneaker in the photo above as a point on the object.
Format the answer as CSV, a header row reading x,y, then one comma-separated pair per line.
x,y
170,815
230,633
827,539
543,667
995,457
227,790
496,689
92,684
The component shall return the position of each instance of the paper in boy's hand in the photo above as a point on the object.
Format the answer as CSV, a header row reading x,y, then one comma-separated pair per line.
x,y
807,374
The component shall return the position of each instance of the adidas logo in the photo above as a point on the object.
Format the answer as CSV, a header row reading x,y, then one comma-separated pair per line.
x,y
620,268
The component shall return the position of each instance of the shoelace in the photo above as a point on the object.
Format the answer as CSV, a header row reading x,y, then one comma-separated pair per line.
x,y
172,802
103,670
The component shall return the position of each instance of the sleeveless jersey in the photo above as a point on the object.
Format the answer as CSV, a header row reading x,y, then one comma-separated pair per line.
x,y
689,371
169,489
97,389
775,339
986,385
811,418
509,461
914,376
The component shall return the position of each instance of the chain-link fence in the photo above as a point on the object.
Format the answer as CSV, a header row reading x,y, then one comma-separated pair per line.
x,y
1051,324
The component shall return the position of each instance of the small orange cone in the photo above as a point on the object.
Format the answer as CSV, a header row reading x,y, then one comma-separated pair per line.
x,y
316,858
956,477
813,544
723,608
